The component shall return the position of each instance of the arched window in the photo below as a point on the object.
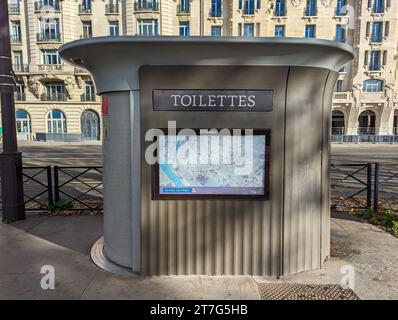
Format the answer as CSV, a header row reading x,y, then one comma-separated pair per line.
x,y
23,122
367,122
90,125
56,122
337,122
373,85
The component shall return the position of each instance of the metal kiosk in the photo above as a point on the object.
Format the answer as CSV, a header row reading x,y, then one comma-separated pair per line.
x,y
281,88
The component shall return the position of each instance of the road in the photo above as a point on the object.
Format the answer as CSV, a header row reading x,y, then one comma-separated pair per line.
x,y
90,153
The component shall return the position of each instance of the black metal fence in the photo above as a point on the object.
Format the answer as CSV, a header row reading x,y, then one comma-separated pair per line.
x,y
362,185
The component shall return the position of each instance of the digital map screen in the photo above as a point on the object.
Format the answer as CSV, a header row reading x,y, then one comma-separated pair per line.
x,y
240,169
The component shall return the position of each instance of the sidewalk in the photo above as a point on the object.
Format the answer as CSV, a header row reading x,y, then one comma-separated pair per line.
x,y
64,243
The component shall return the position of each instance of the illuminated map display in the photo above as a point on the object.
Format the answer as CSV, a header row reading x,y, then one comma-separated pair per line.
x,y
225,166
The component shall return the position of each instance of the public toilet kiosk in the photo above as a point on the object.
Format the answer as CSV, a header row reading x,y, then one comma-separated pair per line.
x,y
166,94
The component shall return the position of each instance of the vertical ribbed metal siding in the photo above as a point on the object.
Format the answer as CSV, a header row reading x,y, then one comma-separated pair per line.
x,y
241,237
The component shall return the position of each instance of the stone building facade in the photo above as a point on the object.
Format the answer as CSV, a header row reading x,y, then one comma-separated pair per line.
x,y
55,101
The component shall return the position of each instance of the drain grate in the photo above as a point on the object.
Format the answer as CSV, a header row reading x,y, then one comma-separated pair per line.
x,y
296,291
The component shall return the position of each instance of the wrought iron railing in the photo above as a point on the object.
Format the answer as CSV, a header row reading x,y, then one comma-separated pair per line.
x,y
48,37
146,6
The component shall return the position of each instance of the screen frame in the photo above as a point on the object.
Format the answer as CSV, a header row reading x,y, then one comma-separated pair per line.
x,y
156,195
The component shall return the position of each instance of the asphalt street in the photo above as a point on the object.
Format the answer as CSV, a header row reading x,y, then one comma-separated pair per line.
x,y
90,153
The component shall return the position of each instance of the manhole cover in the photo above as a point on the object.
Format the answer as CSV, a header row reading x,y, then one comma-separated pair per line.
x,y
296,291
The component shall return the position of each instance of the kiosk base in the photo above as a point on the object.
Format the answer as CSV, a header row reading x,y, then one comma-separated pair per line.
x,y
98,257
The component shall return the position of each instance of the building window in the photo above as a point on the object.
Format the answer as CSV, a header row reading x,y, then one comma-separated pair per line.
x,y
56,122
279,31
377,32
375,60
378,6
47,5
280,8
340,33
148,27
50,57
89,91
23,122
15,34
49,30
310,8
310,31
339,86
13,6
17,61
216,8
338,123
19,91
184,28
87,29
184,6
54,92
85,6
112,6
247,6
367,122
216,31
373,85
341,9
146,5
248,29
113,28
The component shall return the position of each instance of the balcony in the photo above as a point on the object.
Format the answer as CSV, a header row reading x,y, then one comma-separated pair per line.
x,y
48,37
374,67
146,6
13,8
111,9
50,67
19,96
15,38
87,97
183,9
20,68
42,6
84,9
53,96
80,71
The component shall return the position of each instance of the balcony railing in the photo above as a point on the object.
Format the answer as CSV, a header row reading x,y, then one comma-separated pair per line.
x,y
20,96
376,38
15,38
20,68
215,12
378,8
87,97
184,9
84,9
80,71
341,95
146,6
48,37
366,130
374,67
46,6
13,8
50,67
54,96
338,131
111,8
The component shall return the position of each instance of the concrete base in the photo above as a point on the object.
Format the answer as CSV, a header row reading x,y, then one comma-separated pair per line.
x,y
99,258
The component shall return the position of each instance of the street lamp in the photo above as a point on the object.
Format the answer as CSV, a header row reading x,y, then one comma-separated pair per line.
x,y
11,159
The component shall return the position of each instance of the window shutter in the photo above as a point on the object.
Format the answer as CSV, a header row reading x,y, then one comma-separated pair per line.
x,y
367,29
387,29
366,62
385,57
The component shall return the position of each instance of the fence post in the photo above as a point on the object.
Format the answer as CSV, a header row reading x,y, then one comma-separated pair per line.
x,y
376,188
56,187
49,186
369,185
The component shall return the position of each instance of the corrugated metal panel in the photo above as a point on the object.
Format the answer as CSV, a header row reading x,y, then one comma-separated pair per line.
x,y
240,237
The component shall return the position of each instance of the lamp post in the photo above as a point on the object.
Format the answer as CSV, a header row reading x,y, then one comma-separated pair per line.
x,y
11,160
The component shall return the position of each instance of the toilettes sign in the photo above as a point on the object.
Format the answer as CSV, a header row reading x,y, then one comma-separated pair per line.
x,y
213,100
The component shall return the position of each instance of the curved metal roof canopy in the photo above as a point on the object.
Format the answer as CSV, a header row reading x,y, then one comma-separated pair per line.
x,y
114,62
